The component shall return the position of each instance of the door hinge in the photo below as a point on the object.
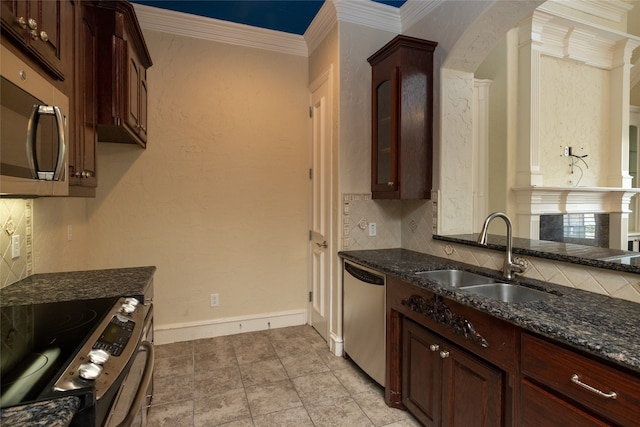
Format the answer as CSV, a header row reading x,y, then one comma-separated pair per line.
x,y
310,173
310,111
310,235
310,296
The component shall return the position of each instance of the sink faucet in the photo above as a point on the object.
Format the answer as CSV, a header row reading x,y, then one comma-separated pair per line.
x,y
510,268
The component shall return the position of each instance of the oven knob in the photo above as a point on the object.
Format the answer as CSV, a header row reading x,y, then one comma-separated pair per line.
x,y
89,371
128,308
98,356
133,301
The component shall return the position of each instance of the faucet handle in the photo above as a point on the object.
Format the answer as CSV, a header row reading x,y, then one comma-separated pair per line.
x,y
519,265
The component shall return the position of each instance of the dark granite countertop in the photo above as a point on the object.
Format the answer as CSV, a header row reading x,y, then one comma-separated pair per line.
x,y
591,256
51,413
77,285
55,287
603,326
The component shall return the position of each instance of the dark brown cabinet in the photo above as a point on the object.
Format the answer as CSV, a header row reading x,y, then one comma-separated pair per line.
x,y
402,123
40,29
121,75
448,364
442,385
564,387
83,178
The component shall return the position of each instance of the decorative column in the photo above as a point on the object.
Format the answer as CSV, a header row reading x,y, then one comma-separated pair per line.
x,y
620,89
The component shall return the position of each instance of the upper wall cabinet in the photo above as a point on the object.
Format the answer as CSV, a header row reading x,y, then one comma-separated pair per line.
x,y
38,28
402,103
121,74
83,178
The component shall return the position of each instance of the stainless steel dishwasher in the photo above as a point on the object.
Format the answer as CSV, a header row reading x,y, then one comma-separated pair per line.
x,y
364,319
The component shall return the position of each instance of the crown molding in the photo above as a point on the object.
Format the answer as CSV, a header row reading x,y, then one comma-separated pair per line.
x,y
323,22
369,14
184,24
612,10
591,44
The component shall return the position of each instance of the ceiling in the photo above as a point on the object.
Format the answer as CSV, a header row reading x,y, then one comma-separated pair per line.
x,y
289,16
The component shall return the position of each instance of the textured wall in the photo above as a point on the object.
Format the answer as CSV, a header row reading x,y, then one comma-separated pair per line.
x,y
219,199
575,113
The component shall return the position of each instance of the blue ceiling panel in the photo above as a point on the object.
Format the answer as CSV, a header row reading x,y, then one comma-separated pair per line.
x,y
289,16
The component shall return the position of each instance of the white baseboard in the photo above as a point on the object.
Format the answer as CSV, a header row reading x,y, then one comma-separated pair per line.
x,y
187,331
336,345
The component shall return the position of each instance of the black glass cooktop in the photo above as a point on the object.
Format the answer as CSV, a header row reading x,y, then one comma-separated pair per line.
x,y
37,341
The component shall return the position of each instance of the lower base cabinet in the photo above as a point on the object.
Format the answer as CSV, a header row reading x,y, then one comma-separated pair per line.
x,y
445,385
452,365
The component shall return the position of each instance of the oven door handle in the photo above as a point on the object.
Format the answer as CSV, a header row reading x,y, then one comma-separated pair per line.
x,y
144,385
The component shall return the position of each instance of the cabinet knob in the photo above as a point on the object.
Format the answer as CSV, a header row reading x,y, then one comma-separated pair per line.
x,y
444,354
32,23
434,347
22,22
44,36
390,183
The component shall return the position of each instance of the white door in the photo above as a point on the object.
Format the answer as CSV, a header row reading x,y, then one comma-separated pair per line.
x,y
321,247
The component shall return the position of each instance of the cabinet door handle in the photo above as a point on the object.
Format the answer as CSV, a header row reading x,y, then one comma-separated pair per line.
x,y
444,354
576,380
434,347
390,183
322,245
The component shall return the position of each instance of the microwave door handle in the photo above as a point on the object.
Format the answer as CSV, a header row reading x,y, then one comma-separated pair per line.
x,y
143,386
61,144
32,130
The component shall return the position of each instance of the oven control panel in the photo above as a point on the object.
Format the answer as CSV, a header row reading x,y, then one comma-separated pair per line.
x,y
108,350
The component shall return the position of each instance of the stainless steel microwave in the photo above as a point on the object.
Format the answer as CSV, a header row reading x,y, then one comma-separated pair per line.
x,y
33,131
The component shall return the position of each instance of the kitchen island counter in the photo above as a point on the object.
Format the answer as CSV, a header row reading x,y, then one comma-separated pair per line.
x,y
598,324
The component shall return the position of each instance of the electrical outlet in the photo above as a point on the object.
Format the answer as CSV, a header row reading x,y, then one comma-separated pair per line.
x,y
214,300
15,246
372,229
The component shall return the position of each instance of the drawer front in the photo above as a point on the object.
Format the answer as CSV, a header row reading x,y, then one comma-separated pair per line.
x,y
486,336
540,408
582,379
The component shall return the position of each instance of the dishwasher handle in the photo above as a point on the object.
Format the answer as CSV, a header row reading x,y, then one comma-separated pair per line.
x,y
364,275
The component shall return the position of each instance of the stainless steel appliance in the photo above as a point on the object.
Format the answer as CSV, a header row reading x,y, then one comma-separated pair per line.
x,y
364,319
93,349
33,154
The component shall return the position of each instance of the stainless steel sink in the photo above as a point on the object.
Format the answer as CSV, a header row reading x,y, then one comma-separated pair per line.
x,y
455,278
507,292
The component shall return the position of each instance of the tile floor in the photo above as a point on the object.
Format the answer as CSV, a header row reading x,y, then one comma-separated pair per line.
x,y
280,377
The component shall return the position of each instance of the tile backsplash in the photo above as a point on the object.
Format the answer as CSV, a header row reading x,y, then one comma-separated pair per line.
x,y
414,221
358,211
16,219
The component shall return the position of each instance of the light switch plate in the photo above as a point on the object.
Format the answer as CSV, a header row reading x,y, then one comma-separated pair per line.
x,y
15,246
372,229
